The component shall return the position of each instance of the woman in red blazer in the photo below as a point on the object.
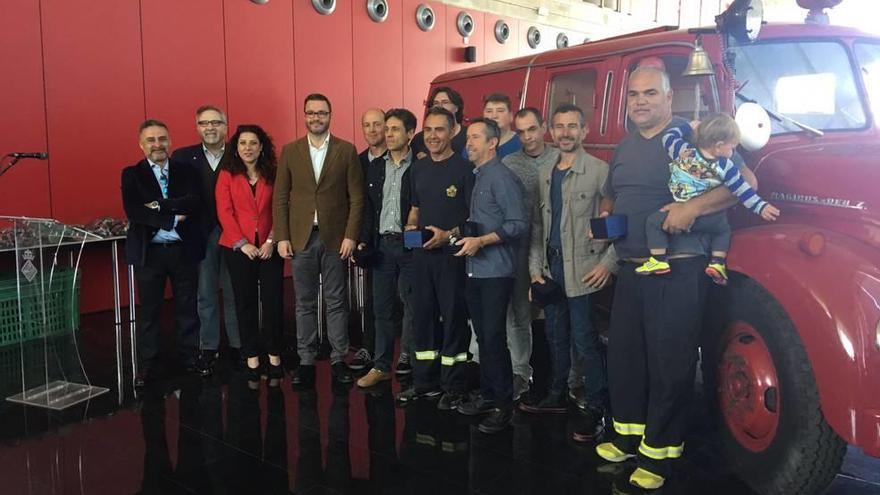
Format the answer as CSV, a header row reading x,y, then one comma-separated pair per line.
x,y
244,209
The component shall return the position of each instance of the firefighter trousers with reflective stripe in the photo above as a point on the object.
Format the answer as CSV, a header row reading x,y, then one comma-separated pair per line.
x,y
656,323
440,332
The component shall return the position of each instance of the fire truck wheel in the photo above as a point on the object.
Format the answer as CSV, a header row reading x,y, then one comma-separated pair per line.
x,y
773,432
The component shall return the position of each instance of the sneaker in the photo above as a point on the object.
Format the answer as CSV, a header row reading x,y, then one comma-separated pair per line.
x,y
450,401
653,267
341,373
718,273
403,365
362,359
611,453
520,387
646,480
590,426
551,404
476,406
498,420
411,395
373,378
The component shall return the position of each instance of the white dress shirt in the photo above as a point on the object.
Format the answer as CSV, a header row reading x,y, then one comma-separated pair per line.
x,y
318,155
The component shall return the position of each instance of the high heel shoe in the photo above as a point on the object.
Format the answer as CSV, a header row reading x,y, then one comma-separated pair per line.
x,y
253,374
274,370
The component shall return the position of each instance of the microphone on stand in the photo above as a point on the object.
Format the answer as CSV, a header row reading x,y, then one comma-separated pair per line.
x,y
38,156
18,156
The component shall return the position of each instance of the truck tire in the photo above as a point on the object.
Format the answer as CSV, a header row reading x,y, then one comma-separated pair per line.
x,y
772,432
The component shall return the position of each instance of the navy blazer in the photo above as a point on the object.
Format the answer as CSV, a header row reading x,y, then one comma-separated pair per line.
x,y
139,187
195,156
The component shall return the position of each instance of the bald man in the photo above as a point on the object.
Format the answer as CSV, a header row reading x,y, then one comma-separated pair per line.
x,y
373,127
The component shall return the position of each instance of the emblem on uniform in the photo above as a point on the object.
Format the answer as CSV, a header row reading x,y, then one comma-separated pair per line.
x,y
451,191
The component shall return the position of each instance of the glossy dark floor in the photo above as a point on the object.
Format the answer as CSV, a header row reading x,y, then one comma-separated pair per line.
x,y
226,435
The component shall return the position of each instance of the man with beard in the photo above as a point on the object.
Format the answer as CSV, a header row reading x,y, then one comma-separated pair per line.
x,y
317,207
211,124
441,192
164,241
562,251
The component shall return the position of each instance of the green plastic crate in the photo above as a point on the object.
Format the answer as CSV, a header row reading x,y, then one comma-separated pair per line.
x,y
61,303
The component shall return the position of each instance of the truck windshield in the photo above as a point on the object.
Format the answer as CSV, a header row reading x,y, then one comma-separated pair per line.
x,y
868,55
810,82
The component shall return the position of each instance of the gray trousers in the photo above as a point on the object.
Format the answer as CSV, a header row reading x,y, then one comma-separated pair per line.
x,y
519,320
312,267
212,268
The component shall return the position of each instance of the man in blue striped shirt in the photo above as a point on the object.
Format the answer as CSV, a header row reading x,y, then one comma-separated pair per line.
x,y
694,171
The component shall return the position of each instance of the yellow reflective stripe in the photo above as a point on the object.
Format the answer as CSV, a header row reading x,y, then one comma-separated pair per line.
x,y
424,439
427,355
451,360
661,453
629,428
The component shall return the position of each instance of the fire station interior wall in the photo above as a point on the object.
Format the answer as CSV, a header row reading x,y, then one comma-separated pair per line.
x,y
80,80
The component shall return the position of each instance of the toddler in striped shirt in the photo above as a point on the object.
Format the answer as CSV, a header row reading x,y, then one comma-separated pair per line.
x,y
694,170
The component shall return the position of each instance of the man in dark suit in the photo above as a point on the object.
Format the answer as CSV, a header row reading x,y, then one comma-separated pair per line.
x,y
205,157
318,205
373,127
161,198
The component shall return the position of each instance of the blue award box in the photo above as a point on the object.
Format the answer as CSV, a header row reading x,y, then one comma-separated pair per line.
x,y
610,227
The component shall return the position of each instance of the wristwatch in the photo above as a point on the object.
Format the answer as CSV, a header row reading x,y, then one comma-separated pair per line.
x,y
453,239
153,205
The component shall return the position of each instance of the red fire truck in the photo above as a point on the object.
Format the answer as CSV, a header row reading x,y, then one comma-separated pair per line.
x,y
794,353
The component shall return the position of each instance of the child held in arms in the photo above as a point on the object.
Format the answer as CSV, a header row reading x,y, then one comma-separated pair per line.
x,y
695,170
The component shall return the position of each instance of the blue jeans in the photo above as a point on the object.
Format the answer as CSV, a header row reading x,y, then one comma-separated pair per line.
x,y
569,324
391,276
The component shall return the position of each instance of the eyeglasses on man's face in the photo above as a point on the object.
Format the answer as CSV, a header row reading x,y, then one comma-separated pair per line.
x,y
321,113
210,123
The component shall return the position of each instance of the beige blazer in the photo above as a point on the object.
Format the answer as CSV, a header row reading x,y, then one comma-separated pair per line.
x,y
582,191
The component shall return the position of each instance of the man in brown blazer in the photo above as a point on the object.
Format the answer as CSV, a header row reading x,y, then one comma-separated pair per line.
x,y
318,203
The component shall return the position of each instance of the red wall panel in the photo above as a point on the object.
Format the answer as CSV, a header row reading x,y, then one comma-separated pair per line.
x,y
495,51
184,66
378,65
25,188
95,101
424,53
85,78
322,52
259,66
455,43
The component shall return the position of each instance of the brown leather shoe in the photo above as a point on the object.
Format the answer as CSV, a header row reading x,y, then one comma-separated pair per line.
x,y
373,378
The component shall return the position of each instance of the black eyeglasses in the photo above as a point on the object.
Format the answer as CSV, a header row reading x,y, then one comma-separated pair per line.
x,y
321,114
210,123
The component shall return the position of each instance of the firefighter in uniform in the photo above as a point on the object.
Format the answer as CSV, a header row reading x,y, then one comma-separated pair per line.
x,y
440,198
655,320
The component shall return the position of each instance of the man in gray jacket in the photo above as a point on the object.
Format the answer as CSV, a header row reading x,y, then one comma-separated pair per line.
x,y
525,163
570,193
